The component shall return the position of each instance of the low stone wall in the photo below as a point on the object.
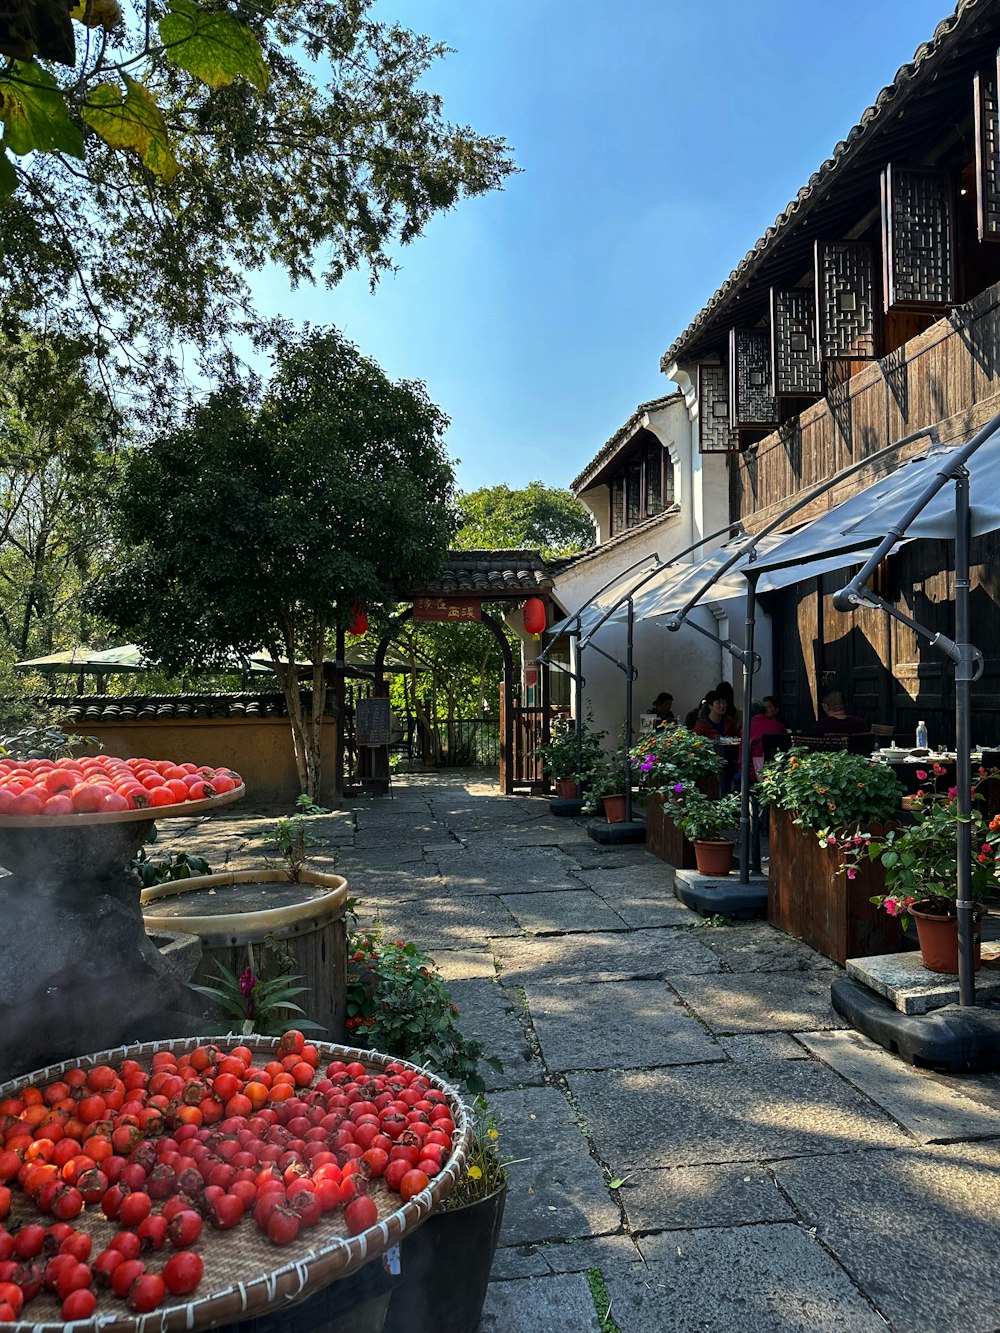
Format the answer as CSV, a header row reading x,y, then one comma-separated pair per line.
x,y
259,749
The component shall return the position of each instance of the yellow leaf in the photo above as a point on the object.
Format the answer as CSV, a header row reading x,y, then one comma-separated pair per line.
x,y
132,121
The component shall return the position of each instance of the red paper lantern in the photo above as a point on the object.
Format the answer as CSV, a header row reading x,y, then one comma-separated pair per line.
x,y
359,625
534,615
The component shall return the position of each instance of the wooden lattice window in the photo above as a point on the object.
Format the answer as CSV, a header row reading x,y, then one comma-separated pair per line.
x,y
918,238
633,494
618,504
654,479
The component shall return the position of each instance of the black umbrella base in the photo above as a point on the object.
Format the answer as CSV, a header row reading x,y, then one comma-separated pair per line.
x,y
951,1040
721,897
615,835
559,807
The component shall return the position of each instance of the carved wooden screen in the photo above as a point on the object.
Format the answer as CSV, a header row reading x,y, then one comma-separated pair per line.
x,y
794,364
715,432
618,504
751,392
987,113
918,238
845,301
653,471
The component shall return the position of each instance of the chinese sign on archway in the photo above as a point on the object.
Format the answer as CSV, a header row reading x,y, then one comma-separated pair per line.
x,y
454,609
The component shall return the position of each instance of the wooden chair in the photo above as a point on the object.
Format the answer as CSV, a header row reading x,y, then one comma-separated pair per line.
x,y
808,742
884,730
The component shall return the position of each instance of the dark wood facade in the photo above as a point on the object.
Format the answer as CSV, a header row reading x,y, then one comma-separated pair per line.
x,y
642,484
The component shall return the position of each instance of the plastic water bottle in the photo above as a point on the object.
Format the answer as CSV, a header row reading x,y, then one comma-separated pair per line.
x,y
921,735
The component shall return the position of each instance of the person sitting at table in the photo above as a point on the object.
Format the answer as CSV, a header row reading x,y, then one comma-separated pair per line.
x,y
771,708
663,707
713,720
726,690
836,720
761,725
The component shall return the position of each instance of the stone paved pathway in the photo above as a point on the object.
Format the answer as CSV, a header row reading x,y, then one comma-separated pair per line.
x,y
702,1141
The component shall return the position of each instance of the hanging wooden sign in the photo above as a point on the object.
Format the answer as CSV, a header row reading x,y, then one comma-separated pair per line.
x,y
458,610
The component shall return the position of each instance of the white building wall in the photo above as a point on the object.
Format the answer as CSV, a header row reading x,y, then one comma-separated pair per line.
x,y
684,663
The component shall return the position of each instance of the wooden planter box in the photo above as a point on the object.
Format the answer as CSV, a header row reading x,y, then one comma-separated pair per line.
x,y
664,839
808,898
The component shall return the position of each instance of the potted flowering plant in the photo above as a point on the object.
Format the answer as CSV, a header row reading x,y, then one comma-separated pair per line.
x,y
819,801
607,786
569,760
919,862
669,761
703,821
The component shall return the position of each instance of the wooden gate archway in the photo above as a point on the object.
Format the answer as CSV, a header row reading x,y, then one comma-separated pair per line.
x,y
522,729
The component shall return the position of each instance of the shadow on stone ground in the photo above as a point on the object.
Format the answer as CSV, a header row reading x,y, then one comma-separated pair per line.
x,y
699,1141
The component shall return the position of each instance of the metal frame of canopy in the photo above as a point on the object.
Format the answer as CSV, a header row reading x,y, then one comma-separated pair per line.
x,y
749,659
627,667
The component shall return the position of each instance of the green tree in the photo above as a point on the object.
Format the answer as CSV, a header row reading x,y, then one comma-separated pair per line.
x,y
262,522
58,455
185,144
535,517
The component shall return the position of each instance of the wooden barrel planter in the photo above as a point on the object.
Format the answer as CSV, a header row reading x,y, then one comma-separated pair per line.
x,y
235,909
664,839
809,896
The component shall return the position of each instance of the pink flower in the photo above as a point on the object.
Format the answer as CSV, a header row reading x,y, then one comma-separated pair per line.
x,y
891,905
247,982
832,839
939,770
851,874
952,792
922,774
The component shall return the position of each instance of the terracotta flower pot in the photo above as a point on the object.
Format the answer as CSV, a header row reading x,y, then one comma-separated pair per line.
x,y
567,789
713,856
614,809
938,937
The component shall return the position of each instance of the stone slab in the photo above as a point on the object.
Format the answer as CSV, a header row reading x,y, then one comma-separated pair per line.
x,y
564,910
488,1015
463,964
756,1279
718,1113
539,870
756,1048
702,1196
911,987
917,1229
927,1109
761,1002
754,946
627,1025
448,922
540,1305
512,1261
557,1191
602,956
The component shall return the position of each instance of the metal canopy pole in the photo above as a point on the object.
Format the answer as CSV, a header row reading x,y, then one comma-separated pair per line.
x,y
968,662
751,663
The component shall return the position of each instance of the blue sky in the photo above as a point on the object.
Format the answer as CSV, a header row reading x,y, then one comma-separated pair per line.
x,y
658,140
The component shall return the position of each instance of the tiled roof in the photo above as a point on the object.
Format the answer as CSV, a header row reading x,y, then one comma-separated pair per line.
x,y
495,574
620,437
85,708
640,529
925,69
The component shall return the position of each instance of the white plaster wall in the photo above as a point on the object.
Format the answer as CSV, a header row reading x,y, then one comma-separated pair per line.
x,y
598,501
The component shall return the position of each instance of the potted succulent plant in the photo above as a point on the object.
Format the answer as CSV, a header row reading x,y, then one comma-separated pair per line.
x,y
446,1262
704,821
919,863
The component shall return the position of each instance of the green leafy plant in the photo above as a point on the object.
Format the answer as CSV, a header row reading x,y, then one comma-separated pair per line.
x,y
164,869
701,819
292,836
256,1005
919,857
566,756
830,789
398,1003
43,742
672,755
485,1165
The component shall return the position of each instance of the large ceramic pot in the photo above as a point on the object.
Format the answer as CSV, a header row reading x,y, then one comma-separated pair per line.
x,y
938,937
445,1269
713,856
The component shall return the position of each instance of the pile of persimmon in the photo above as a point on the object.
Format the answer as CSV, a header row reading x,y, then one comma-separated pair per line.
x,y
206,1136
105,785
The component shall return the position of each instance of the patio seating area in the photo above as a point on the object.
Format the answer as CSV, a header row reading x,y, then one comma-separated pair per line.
x,y
698,1140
